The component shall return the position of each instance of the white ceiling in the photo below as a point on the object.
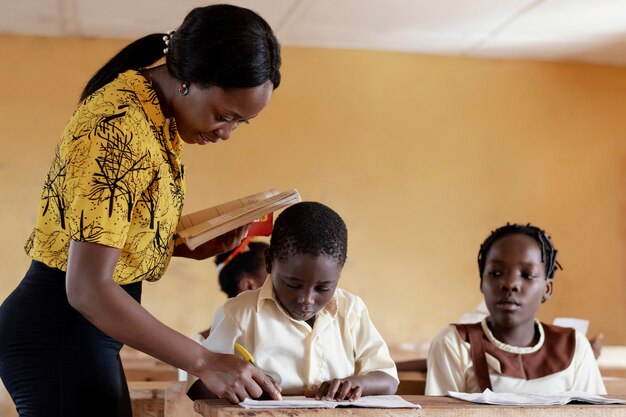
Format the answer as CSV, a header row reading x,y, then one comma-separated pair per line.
x,y
564,30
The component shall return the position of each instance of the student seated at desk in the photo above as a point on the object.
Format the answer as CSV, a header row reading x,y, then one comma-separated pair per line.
x,y
510,351
478,314
318,339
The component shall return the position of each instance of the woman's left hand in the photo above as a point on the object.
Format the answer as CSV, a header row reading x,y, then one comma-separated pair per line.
x,y
220,244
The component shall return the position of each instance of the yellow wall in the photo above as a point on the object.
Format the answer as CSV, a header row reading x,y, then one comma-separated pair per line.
x,y
422,156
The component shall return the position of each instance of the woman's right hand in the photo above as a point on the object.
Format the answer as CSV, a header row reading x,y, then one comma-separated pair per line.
x,y
234,379
220,244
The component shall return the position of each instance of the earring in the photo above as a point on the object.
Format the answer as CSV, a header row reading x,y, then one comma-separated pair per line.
x,y
543,300
183,89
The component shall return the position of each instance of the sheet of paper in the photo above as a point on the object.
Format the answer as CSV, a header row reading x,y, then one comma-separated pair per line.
x,y
578,324
508,398
372,401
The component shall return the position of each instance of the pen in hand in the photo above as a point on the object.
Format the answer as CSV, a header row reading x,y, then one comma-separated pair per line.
x,y
248,357
244,352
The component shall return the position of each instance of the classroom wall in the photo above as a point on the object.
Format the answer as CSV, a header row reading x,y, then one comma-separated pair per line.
x,y
423,156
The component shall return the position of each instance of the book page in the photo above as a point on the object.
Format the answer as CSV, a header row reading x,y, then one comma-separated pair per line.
x,y
209,229
371,401
578,324
509,398
197,217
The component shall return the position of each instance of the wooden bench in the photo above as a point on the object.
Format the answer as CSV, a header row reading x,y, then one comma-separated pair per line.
x,y
411,383
139,366
160,399
148,398
615,387
177,404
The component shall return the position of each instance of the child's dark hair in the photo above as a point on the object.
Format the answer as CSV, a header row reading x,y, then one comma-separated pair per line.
x,y
309,228
221,45
245,262
548,251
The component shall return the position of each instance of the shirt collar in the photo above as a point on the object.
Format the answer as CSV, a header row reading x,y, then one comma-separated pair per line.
x,y
268,294
514,349
150,102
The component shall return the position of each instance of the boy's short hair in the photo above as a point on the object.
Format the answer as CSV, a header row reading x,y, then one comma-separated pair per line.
x,y
309,228
548,251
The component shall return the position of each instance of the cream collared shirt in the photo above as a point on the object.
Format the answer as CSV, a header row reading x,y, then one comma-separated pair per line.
x,y
342,342
450,367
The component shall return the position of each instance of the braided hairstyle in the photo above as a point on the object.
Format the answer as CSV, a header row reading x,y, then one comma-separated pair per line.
x,y
309,228
248,262
548,251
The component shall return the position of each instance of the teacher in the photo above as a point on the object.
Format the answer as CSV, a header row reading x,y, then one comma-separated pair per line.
x,y
108,215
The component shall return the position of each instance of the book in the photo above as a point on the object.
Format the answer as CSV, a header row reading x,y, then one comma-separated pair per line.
x,y
578,324
372,401
262,226
201,226
522,398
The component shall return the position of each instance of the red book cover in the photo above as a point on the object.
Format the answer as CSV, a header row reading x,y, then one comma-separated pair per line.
x,y
262,226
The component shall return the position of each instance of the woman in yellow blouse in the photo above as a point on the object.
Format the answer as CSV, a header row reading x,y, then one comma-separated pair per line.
x,y
109,210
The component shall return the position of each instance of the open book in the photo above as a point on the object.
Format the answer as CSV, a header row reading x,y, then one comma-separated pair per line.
x,y
201,226
520,398
372,401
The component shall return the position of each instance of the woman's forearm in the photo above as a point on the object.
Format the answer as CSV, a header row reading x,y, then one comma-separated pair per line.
x,y
91,290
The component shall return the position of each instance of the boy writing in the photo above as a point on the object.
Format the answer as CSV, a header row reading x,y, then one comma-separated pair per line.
x,y
318,339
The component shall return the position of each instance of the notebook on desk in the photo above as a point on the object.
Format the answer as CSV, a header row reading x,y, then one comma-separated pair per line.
x,y
517,399
371,401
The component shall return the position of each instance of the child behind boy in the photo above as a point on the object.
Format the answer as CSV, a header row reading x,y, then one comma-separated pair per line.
x,y
239,270
317,338
510,351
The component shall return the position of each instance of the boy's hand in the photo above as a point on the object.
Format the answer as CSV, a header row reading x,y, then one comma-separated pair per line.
x,y
339,389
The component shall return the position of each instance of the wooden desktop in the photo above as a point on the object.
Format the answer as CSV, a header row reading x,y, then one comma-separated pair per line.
x,y
431,407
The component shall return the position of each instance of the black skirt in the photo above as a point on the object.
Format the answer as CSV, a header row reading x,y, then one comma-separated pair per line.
x,y
53,361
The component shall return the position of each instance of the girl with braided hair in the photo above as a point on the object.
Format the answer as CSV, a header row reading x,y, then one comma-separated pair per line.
x,y
510,350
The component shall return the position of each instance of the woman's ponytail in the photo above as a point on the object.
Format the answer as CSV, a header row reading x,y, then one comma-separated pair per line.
x,y
141,53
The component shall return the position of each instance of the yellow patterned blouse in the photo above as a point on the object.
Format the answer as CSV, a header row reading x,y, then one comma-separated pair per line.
x,y
116,179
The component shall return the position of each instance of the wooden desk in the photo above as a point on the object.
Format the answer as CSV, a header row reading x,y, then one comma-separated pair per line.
x,y
411,383
613,372
431,407
160,399
177,404
141,367
615,387
150,370
147,398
